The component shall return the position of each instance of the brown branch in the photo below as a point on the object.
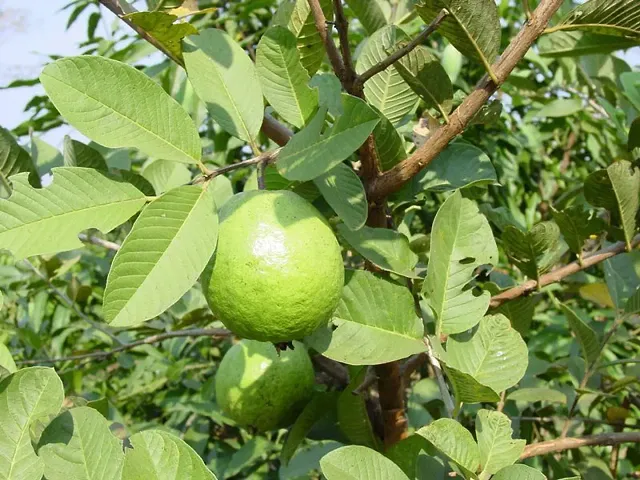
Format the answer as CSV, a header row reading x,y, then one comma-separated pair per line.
x,y
332,51
402,52
99,242
391,391
275,130
563,272
196,332
392,180
263,159
336,370
342,26
556,446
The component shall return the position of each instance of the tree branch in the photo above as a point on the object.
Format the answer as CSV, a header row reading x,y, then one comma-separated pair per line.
x,y
398,54
321,25
392,180
196,332
263,159
99,241
560,445
563,272
342,26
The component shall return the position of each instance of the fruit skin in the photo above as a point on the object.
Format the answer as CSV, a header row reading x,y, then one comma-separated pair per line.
x,y
277,274
256,387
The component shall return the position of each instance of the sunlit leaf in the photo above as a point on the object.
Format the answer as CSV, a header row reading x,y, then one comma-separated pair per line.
x,y
359,463
343,191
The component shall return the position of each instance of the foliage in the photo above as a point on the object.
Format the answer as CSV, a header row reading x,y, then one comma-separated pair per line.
x,y
490,304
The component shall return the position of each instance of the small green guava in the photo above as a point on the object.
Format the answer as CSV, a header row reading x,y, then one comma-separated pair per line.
x,y
257,387
277,274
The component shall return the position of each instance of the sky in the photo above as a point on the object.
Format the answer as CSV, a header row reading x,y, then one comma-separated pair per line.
x,y
33,29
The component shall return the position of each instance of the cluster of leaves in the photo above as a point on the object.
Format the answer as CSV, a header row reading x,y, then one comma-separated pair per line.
x,y
545,175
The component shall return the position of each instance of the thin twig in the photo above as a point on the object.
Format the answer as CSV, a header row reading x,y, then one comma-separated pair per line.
x,y
392,180
99,241
563,444
332,51
342,26
195,332
402,52
594,421
263,159
72,305
561,273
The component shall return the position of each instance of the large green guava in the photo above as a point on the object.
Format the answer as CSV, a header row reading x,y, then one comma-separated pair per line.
x,y
257,386
277,274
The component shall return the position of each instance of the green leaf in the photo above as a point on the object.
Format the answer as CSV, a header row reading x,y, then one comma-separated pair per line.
x,y
284,80
383,247
586,336
460,165
13,158
45,156
173,238
535,251
387,91
519,472
455,442
353,417
359,463
158,455
77,154
329,90
426,77
118,106
161,26
48,220
467,389
608,17
562,107
617,189
297,17
520,312
78,444
406,453
6,360
622,274
452,62
495,354
370,14
634,135
472,26
225,79
376,323
631,83
497,448
25,396
461,241
164,175
310,153
575,44
577,225
388,143
318,407
343,190
253,450
533,395
632,306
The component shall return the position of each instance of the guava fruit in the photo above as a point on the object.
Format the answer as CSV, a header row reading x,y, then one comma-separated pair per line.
x,y
257,387
277,273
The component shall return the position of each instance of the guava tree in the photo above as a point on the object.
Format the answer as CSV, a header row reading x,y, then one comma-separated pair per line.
x,y
371,239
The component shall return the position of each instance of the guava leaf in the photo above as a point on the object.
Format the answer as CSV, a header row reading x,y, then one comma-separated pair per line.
x,y
383,247
311,153
634,135
164,175
45,156
622,274
607,17
6,360
532,395
518,472
495,354
533,252
48,220
25,396
161,26
343,191
389,144
577,225
158,455
163,256
77,154
575,44
497,448
284,80
376,323
353,417
455,442
461,241
586,336
618,190
466,389
387,91
562,107
359,463
297,17
117,106
13,158
78,444
225,79
370,14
